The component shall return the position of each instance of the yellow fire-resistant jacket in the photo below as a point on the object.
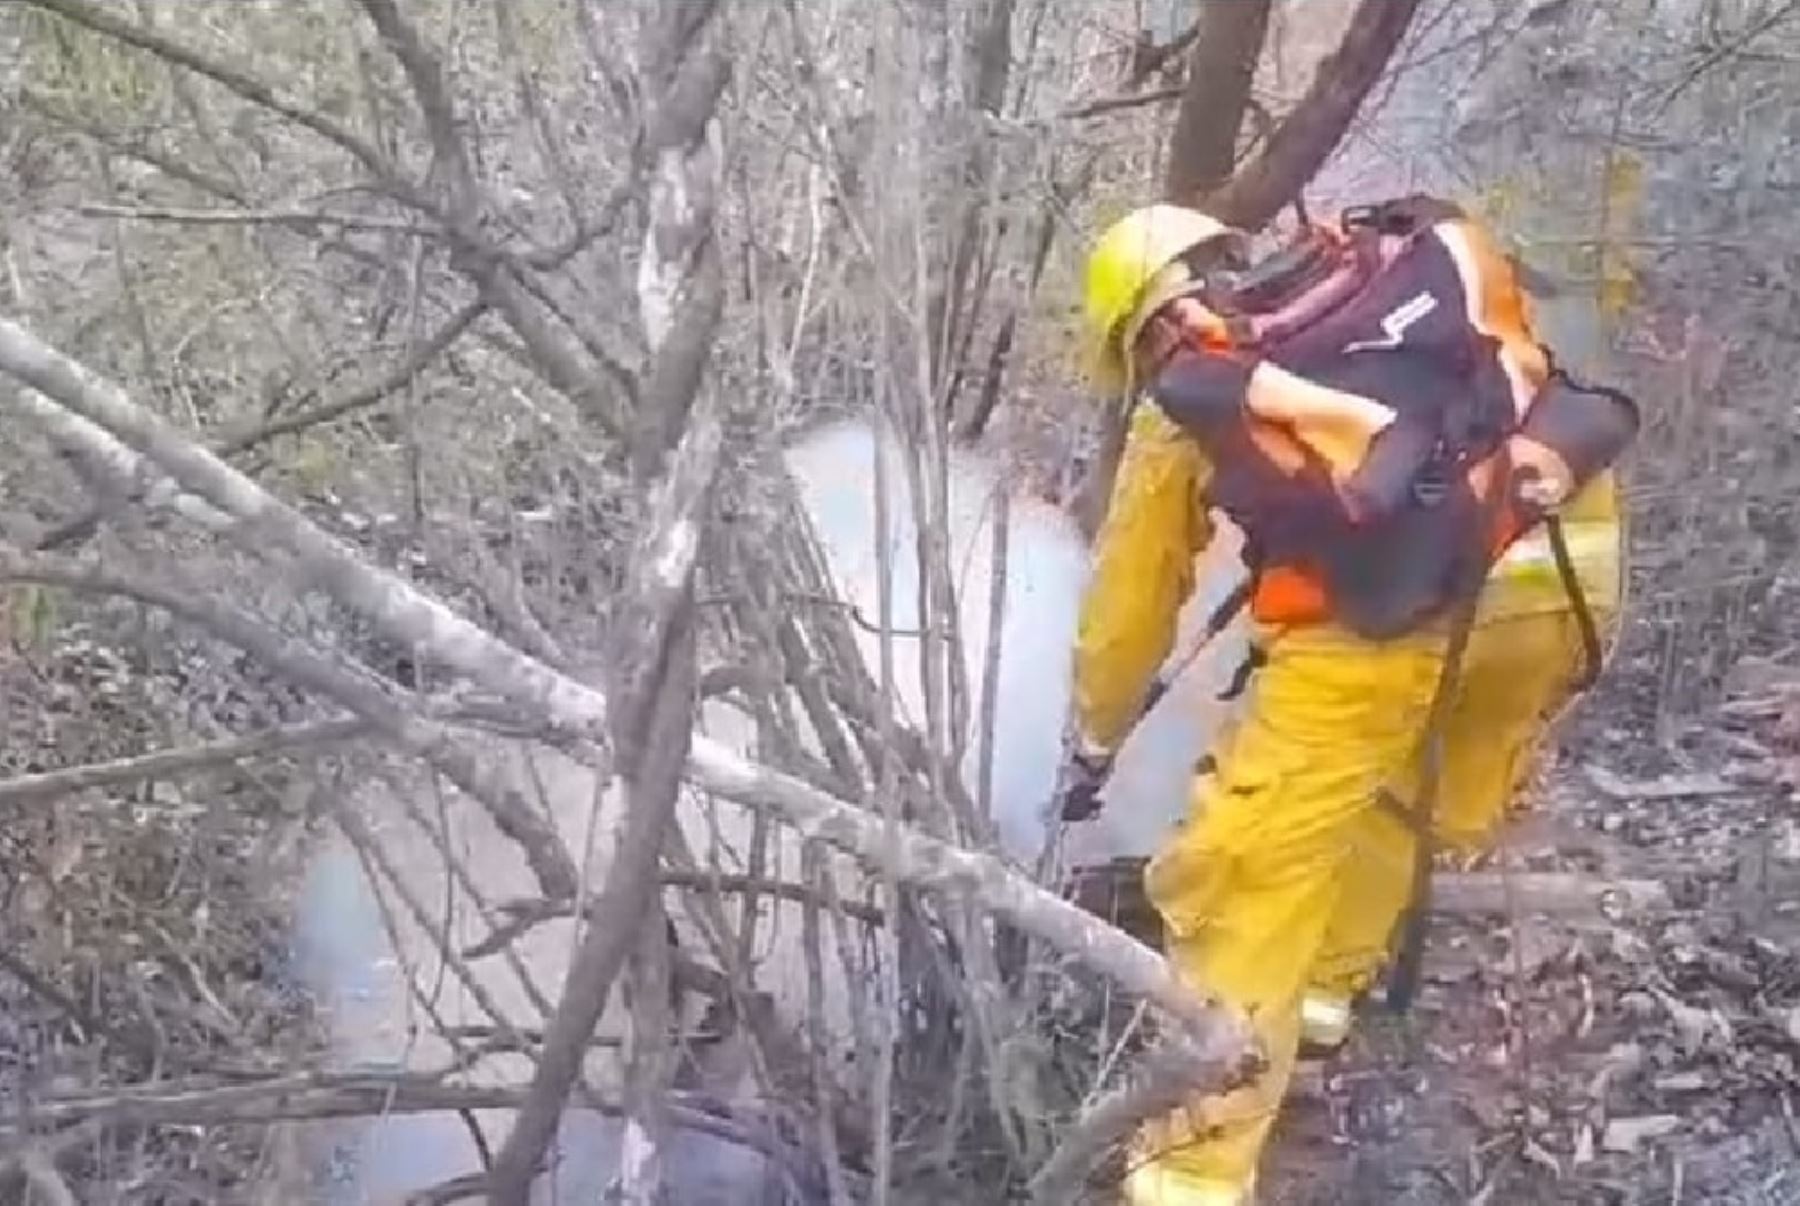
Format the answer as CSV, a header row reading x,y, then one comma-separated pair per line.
x,y
1159,522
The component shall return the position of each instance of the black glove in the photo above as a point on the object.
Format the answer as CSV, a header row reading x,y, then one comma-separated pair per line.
x,y
1078,784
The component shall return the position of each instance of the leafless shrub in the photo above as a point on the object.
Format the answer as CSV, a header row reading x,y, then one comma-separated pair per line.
x,y
331,244
512,307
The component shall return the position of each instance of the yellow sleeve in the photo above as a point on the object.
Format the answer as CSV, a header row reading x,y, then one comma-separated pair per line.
x,y
1142,573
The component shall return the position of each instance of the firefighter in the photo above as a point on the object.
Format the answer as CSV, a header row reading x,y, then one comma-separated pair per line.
x,y
1281,888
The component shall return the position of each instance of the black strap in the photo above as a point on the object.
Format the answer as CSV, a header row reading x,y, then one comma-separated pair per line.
x,y
1403,977
1403,980
1255,658
1593,653
1216,623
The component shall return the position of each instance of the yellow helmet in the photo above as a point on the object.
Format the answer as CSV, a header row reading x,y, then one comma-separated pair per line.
x,y
1125,262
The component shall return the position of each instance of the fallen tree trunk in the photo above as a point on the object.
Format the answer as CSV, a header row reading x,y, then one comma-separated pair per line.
x,y
1551,893
1114,891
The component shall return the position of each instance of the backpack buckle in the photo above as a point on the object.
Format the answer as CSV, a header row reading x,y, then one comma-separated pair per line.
x,y
1400,216
1430,487
1385,218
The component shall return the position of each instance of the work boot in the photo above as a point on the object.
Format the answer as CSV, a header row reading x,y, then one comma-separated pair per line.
x,y
1325,1021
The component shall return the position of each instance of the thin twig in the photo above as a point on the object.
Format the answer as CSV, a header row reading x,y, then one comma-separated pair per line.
x,y
459,871
301,1095
401,612
360,836
1720,53
365,1093
400,377
48,785
81,527
118,144
104,22
438,745
525,915
309,219
1115,104
50,994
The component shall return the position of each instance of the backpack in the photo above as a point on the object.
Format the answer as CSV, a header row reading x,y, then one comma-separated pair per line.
x,y
1381,420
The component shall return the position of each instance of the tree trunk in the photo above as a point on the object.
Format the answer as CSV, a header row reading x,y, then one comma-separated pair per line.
x,y
1308,135
1220,70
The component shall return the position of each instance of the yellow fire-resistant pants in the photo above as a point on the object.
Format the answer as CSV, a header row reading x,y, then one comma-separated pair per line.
x,y
1287,873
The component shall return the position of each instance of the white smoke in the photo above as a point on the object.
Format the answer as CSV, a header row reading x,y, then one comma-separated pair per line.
x,y
1046,570
1045,567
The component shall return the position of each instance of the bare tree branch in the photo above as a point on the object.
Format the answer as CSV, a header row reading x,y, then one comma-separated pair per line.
x,y
523,915
82,526
508,289
440,746
344,1094
1719,54
436,830
168,165
1228,43
652,652
300,218
551,356
109,468
426,76
1128,100
637,1179
1308,135
102,21
392,382
72,1010
379,860
403,614
1106,1124
48,785
651,742
267,524
1148,58
352,1094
